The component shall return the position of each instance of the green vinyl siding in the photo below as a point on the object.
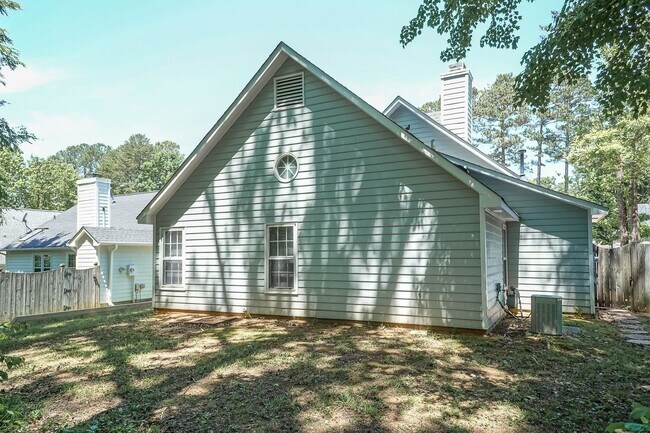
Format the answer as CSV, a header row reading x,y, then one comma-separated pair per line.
x,y
23,260
494,266
549,250
383,233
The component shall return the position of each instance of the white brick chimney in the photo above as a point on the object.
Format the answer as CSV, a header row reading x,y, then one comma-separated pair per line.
x,y
456,100
93,202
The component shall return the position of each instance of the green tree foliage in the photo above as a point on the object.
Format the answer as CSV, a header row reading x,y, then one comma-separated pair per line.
x,y
12,172
137,165
612,168
122,164
10,137
164,161
612,36
499,121
7,362
639,421
431,106
540,132
574,111
50,184
84,158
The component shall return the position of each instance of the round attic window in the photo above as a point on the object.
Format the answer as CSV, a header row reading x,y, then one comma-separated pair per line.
x,y
286,167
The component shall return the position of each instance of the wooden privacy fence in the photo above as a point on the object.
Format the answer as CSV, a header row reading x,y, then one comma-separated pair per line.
x,y
24,293
623,276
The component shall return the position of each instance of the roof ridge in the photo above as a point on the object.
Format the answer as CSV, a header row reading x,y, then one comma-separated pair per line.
x,y
135,193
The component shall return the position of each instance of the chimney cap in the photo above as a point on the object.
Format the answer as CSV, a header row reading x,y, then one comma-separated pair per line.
x,y
457,66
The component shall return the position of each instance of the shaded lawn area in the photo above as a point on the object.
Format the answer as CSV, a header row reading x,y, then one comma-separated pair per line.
x,y
140,372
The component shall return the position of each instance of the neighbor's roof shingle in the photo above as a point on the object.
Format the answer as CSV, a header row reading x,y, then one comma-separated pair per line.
x,y
13,227
56,232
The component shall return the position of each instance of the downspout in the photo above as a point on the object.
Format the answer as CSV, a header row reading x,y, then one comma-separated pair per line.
x,y
110,276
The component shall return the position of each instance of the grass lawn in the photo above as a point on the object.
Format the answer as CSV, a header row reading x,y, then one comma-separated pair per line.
x,y
139,372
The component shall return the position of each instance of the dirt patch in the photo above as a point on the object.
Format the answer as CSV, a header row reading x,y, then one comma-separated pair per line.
x,y
193,373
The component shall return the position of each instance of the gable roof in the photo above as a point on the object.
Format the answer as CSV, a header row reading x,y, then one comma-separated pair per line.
x,y
597,212
281,53
465,150
112,236
58,231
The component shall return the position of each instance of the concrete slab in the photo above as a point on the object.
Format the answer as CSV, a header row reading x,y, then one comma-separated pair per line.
x,y
640,342
631,327
571,330
634,332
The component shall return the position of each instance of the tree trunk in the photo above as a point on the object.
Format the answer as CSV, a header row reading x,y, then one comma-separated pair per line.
x,y
566,161
540,147
634,212
622,211
634,198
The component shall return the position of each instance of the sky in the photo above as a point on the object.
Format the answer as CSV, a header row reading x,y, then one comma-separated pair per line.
x,y
101,71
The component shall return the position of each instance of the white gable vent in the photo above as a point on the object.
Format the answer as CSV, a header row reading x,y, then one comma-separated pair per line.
x,y
290,91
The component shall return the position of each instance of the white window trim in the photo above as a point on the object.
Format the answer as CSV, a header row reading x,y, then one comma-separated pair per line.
x,y
275,91
42,262
67,260
161,253
280,291
275,166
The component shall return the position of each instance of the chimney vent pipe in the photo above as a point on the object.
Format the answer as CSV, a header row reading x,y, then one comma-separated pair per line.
x,y
522,165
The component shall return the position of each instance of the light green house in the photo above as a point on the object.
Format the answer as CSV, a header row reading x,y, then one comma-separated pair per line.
x,y
305,201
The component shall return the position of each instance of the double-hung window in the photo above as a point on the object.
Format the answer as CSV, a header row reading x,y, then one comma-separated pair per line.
x,y
42,262
281,266
72,260
172,258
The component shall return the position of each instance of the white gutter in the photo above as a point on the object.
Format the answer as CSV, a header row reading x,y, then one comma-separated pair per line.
x,y
109,297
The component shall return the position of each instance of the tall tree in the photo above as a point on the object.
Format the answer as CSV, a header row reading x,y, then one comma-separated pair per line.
x,y
164,161
499,121
575,110
613,167
122,164
10,137
570,49
540,131
84,158
12,174
137,165
431,106
50,184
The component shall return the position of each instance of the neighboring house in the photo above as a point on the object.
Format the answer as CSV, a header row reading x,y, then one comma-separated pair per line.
x,y
18,222
101,229
305,201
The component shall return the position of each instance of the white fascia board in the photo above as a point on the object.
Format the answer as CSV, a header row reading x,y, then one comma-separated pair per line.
x,y
401,102
597,212
74,241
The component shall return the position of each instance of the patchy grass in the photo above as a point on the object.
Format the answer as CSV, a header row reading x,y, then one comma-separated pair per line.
x,y
139,372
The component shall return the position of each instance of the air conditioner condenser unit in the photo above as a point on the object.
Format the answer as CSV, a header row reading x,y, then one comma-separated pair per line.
x,y
546,314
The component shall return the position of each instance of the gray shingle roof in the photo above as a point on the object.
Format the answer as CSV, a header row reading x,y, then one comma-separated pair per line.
x,y
56,232
12,225
120,236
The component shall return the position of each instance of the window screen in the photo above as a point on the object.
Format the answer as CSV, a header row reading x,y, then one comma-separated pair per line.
x,y
281,257
172,261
